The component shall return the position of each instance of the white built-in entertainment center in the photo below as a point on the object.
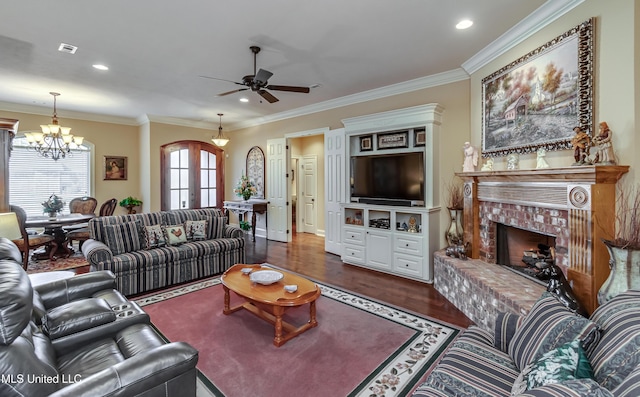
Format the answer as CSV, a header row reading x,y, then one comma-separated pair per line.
x,y
392,214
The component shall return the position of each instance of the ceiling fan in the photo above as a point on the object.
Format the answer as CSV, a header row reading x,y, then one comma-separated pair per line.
x,y
258,82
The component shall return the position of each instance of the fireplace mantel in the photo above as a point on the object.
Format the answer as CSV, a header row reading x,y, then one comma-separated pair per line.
x,y
577,203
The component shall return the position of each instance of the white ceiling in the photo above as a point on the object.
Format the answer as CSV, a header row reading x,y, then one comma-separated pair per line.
x,y
157,49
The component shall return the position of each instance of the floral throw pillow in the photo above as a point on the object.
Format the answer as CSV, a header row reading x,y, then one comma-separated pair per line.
x,y
175,234
154,237
567,362
196,230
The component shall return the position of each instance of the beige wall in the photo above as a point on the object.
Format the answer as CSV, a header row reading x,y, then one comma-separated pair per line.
x,y
615,79
109,139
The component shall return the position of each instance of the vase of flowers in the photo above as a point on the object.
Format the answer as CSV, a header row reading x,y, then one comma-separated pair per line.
x,y
245,188
53,205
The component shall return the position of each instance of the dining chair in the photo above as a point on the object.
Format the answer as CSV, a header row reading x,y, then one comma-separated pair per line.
x,y
83,205
31,241
81,235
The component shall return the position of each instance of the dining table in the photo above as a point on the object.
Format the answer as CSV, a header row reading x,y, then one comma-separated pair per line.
x,y
54,226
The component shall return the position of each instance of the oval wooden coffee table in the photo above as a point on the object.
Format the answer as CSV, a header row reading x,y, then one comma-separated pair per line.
x,y
269,302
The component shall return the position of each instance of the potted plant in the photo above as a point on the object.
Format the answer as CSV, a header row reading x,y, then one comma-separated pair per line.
x,y
245,225
455,205
129,203
624,249
53,205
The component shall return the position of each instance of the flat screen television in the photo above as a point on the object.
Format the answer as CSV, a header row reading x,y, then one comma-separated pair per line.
x,y
388,177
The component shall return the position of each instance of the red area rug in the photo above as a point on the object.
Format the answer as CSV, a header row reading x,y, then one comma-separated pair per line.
x,y
359,348
45,265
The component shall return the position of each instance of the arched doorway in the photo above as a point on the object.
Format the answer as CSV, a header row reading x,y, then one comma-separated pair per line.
x,y
192,175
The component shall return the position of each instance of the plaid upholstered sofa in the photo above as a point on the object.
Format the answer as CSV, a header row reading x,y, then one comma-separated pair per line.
x,y
155,250
550,352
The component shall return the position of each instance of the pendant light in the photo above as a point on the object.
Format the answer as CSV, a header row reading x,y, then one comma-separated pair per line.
x,y
220,140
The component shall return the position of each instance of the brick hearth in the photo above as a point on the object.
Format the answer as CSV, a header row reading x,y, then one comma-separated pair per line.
x,y
481,289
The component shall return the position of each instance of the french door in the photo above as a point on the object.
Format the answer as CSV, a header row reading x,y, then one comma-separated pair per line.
x,y
192,175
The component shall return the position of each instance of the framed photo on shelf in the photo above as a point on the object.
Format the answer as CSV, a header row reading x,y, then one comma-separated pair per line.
x,y
537,100
366,143
419,137
394,140
115,168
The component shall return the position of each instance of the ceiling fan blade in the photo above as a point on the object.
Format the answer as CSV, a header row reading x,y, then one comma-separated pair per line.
x,y
232,92
215,78
288,88
263,76
266,95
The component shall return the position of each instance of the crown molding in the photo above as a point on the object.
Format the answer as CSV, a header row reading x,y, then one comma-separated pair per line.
x,y
435,80
66,114
534,22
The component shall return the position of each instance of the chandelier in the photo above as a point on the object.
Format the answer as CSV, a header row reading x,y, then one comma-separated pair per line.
x,y
220,140
54,141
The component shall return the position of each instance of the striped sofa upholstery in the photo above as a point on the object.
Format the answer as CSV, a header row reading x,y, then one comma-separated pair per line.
x,y
486,364
142,269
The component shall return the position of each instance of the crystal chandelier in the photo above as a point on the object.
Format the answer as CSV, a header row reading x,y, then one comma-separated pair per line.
x,y
54,141
220,140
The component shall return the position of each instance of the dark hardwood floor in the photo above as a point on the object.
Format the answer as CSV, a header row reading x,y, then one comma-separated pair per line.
x,y
306,255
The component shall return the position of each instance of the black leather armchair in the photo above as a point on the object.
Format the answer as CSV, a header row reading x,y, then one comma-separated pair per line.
x,y
81,337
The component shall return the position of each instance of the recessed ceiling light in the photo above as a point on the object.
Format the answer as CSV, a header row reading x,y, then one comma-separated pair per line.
x,y
243,99
100,66
464,24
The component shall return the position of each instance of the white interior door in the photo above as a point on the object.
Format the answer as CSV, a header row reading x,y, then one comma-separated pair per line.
x,y
335,188
278,219
309,193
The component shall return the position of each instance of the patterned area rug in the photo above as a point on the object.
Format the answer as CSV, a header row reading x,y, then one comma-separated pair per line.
x,y
45,265
361,347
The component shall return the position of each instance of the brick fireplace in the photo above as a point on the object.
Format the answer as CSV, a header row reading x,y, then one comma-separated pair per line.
x,y
575,205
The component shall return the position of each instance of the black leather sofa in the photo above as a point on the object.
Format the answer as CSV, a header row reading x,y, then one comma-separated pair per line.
x,y
81,337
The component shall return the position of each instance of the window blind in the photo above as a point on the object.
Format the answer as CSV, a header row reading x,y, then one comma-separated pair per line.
x,y
33,178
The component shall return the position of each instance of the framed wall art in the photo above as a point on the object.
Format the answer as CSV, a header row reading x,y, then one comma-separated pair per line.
x,y
366,143
255,169
419,137
115,168
394,140
536,101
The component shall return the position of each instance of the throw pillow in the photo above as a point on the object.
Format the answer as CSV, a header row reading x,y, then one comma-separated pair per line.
x,y
567,362
154,237
216,229
123,237
196,230
548,326
175,234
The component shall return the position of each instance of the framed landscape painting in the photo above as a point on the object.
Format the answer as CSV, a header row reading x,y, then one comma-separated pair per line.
x,y
536,101
115,168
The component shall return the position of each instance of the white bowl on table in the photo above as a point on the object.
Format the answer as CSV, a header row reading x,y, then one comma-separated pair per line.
x,y
265,277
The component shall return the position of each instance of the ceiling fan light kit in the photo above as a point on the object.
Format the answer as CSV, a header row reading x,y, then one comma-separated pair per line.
x,y
258,82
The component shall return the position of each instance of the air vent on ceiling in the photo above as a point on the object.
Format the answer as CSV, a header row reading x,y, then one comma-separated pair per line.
x,y
68,48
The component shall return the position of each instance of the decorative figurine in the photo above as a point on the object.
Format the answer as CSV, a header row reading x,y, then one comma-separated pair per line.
x,y
470,158
488,165
540,161
581,142
513,161
413,225
604,147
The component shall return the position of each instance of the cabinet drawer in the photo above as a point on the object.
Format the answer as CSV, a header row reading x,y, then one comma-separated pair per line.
x,y
353,254
408,265
354,236
408,244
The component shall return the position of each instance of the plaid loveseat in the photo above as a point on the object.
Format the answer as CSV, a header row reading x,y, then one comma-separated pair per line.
x,y
528,356
120,243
